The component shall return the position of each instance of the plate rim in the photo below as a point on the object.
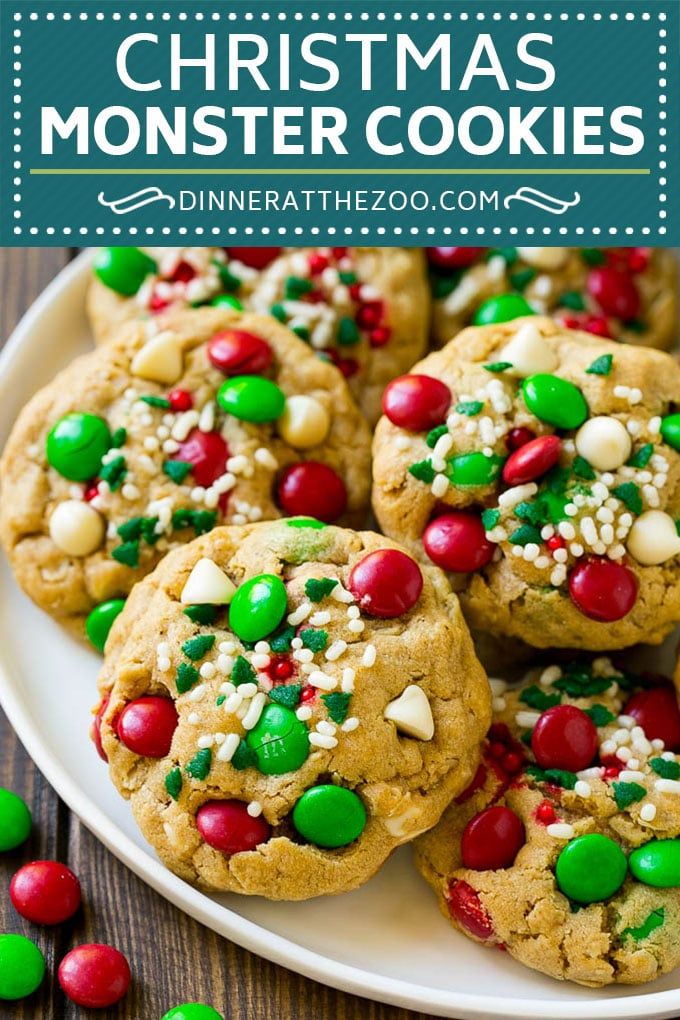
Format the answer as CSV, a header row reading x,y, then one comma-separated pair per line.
x,y
250,935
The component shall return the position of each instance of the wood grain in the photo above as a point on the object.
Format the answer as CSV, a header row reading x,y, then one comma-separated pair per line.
x,y
173,958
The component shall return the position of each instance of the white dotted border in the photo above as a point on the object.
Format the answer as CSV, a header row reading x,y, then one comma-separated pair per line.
x,y
315,16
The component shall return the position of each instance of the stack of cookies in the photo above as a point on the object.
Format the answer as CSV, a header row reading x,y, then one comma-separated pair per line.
x,y
286,697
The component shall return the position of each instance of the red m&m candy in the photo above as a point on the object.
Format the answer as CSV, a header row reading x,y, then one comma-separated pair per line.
x,y
416,402
207,453
614,291
45,892
312,489
457,541
518,437
237,352
656,711
180,400
453,258
146,726
492,839
227,826
466,908
564,737
94,976
532,460
386,583
603,590
256,258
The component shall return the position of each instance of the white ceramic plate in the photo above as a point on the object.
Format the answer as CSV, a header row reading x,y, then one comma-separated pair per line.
x,y
386,941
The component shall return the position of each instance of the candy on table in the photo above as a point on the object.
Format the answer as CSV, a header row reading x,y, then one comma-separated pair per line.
x,y
94,976
22,967
15,820
45,892
192,1011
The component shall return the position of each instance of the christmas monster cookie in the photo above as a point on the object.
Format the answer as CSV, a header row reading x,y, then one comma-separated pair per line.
x,y
365,309
627,294
541,467
160,435
287,702
565,848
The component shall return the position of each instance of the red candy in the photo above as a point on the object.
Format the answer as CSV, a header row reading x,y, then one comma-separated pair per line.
x,y
96,730
465,907
45,892
91,491
182,273
146,726
312,489
256,258
518,437
596,324
180,400
207,453
416,402
386,583
492,839
532,460
545,813
656,711
564,737
453,258
227,826
237,352
614,291
379,336
94,976
603,590
457,541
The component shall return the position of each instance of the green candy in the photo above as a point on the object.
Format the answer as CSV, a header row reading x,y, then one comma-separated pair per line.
x,y
474,469
100,621
76,445
591,868
279,740
15,820
670,430
502,308
192,1011
258,607
251,398
657,863
123,269
329,816
225,301
555,401
22,967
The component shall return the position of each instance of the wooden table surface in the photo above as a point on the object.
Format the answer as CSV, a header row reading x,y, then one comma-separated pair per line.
x,y
173,958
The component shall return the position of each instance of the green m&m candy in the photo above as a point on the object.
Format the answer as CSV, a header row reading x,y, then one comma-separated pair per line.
x,y
280,741
329,816
474,469
76,445
192,1011
502,308
22,967
591,868
15,820
251,398
670,430
123,269
100,621
226,301
657,863
258,607
555,401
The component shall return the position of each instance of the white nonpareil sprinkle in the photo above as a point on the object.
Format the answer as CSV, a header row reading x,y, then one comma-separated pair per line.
x,y
254,809
512,497
631,776
303,655
304,713
322,680
348,678
560,830
260,661
439,486
335,650
356,626
228,748
582,788
667,786
497,686
340,594
207,670
550,675
197,693
499,704
206,741
320,619
266,458
350,724
527,719
369,656
326,727
299,614
648,812
193,719
323,740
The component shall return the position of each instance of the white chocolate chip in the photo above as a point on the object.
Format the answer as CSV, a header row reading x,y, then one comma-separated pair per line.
x,y
411,713
207,584
528,352
604,442
304,423
653,538
160,359
76,528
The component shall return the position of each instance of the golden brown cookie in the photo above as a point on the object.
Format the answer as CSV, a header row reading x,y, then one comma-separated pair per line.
x,y
627,294
540,466
160,435
285,703
565,849
366,309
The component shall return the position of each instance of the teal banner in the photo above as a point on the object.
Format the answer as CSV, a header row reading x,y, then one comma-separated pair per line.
x,y
361,122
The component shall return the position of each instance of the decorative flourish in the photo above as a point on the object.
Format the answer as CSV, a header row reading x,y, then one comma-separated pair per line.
x,y
138,199
548,203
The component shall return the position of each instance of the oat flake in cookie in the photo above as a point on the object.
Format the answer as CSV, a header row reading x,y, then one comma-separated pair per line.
x,y
565,848
541,467
364,309
285,703
161,435
627,294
